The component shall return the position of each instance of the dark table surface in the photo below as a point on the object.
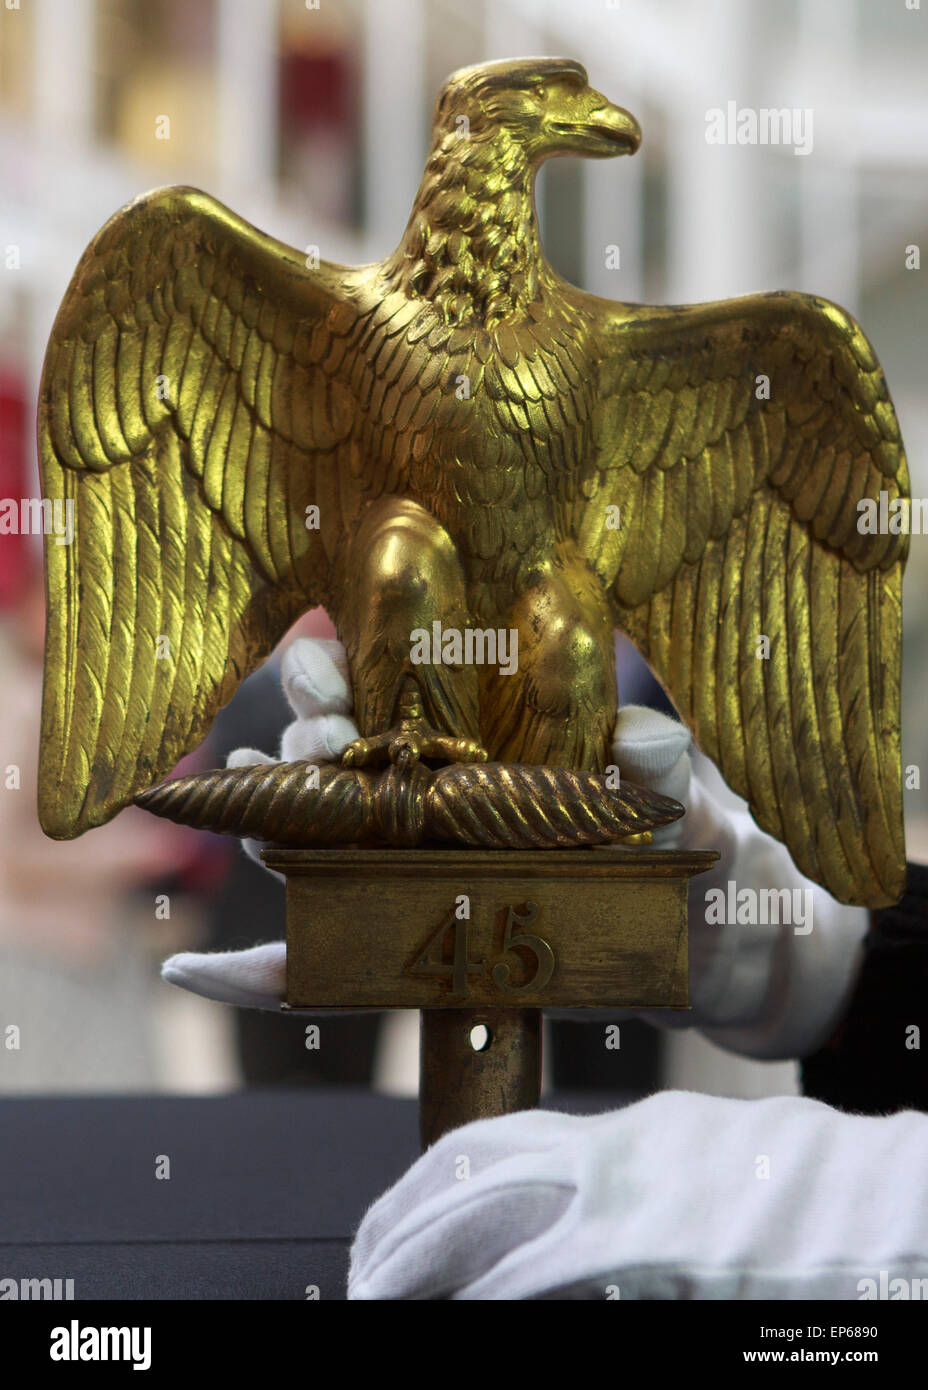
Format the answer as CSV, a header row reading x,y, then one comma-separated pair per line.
x,y
266,1188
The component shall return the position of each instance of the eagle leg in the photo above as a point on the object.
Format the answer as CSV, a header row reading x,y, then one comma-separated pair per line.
x,y
558,709
399,574
412,738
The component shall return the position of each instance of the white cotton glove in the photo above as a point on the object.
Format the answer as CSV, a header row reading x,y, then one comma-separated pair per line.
x,y
314,674
763,991
652,750
315,678
255,979
681,1196
766,991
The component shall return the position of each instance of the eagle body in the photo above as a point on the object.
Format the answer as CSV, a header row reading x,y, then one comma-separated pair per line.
x,y
500,488
456,434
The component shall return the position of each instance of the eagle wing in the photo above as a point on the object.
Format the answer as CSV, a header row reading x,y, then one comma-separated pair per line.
x,y
738,522
192,408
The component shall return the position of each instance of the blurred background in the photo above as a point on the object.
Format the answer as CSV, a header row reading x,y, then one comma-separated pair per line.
x,y
311,120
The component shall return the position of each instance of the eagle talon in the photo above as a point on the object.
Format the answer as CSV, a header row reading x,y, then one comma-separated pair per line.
x,y
405,751
455,750
405,745
362,751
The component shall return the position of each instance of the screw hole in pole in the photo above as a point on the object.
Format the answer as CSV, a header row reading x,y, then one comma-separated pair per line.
x,y
480,1037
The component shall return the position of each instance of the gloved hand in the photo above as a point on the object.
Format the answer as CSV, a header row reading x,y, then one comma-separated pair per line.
x,y
761,990
681,1196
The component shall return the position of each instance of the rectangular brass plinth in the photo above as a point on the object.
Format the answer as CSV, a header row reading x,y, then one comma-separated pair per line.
x,y
457,928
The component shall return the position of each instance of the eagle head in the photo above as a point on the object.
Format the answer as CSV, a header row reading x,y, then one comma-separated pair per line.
x,y
545,105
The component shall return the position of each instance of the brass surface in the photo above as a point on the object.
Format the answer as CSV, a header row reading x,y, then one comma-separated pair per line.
x,y
489,448
458,1084
434,929
489,805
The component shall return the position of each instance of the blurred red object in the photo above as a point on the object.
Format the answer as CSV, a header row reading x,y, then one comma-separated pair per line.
x,y
315,90
14,548
318,129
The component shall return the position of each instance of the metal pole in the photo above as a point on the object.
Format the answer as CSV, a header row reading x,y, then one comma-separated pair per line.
x,y
459,1083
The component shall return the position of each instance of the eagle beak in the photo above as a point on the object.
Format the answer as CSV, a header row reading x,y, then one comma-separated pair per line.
x,y
593,126
618,127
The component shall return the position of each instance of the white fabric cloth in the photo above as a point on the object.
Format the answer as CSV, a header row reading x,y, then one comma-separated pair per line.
x,y
666,1199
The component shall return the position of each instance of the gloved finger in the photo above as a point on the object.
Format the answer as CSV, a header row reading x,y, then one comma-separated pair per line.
x,y
322,738
250,757
253,849
314,673
652,750
252,979
481,1192
255,978
247,757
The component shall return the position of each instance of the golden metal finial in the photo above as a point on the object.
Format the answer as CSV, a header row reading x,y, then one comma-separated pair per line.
x,y
456,435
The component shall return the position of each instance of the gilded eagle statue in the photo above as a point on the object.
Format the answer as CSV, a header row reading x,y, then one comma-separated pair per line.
x,y
457,434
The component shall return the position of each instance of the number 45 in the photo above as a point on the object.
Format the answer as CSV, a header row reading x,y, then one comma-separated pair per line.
x,y
517,941
433,961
